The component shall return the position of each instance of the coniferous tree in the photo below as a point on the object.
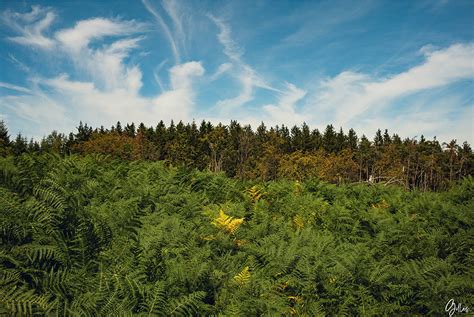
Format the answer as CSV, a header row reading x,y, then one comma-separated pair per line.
x,y
118,128
284,133
20,145
340,140
296,139
4,138
316,140
386,138
396,139
84,132
378,139
305,138
329,139
130,130
352,139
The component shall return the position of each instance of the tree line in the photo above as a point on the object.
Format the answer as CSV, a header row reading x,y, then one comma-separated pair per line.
x,y
296,153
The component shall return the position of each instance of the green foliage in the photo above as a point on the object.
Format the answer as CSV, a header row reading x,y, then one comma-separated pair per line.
x,y
95,236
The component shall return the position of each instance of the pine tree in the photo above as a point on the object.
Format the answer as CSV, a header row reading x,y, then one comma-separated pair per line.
x,y
4,139
340,140
316,140
84,132
329,139
130,130
386,138
296,139
305,138
118,128
352,139
20,145
378,139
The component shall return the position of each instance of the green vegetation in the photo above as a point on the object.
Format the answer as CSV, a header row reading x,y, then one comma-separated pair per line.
x,y
298,153
98,236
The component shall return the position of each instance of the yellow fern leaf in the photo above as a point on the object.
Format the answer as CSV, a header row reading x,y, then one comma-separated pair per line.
x,y
298,221
240,243
255,193
227,223
243,277
297,188
208,238
381,205
296,299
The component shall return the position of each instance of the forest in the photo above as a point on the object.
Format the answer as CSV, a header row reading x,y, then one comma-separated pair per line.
x,y
224,221
267,154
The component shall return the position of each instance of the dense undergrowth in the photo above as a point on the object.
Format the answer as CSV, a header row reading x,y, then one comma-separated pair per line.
x,y
93,236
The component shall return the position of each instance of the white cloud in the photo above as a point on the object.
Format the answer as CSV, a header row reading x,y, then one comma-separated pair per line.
x,y
63,100
104,65
166,29
19,64
427,116
31,26
85,31
156,75
181,75
14,87
105,87
222,69
350,95
246,75
175,13
285,109
39,114
231,49
323,18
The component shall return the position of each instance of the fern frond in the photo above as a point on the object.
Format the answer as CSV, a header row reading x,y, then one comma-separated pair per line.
x,y
227,223
255,193
187,305
22,301
243,277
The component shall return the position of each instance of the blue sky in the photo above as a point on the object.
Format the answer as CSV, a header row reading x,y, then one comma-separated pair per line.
x,y
407,66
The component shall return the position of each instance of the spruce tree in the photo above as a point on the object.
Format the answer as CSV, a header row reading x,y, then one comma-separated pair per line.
x,y
329,139
4,139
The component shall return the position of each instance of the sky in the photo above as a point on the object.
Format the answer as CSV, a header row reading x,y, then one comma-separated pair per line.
x,y
405,66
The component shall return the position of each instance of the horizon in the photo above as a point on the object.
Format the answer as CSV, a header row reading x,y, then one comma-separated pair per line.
x,y
407,67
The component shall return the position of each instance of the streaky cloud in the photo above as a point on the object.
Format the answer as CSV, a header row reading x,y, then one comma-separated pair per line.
x,y
14,87
31,26
166,30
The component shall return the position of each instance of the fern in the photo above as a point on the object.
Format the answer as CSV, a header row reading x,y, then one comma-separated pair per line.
x,y
187,305
255,193
243,277
227,223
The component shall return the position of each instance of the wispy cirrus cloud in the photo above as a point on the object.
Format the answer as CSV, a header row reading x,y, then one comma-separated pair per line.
x,y
86,31
352,94
14,87
30,26
367,102
323,18
108,69
248,78
222,69
176,14
231,49
284,111
171,9
102,87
